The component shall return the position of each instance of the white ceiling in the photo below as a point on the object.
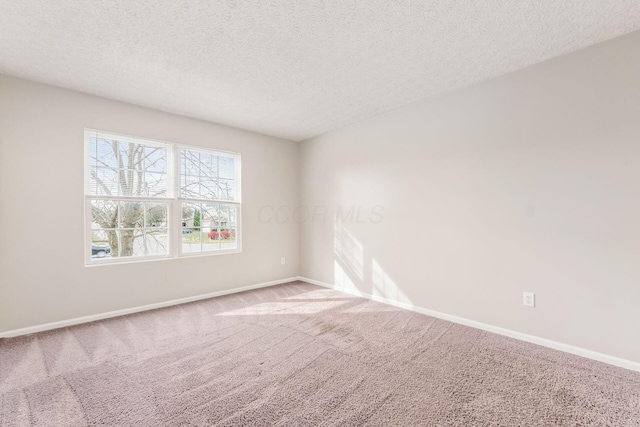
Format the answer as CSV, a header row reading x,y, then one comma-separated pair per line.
x,y
289,68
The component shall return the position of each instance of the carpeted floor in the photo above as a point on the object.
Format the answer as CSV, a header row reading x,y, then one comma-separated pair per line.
x,y
298,355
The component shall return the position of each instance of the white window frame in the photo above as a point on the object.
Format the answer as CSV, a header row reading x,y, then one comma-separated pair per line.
x,y
173,200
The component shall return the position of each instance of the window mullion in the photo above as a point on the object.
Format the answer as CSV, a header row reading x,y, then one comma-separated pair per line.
x,y
175,224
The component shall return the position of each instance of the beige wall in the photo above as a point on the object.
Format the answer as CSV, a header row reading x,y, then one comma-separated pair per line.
x,y
529,182
42,272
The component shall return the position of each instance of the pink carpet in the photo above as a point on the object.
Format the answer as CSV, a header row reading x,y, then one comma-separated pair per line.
x,y
296,355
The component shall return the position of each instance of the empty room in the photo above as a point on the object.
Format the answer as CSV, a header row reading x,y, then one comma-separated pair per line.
x,y
320,213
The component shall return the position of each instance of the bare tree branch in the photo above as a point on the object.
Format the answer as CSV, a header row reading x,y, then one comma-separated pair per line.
x,y
100,182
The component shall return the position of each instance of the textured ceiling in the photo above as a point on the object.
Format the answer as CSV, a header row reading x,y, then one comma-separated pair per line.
x,y
289,68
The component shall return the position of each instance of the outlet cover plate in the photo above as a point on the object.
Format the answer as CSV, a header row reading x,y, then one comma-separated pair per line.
x,y
529,299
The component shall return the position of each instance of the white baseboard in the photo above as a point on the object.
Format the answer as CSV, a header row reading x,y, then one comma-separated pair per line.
x,y
109,314
579,351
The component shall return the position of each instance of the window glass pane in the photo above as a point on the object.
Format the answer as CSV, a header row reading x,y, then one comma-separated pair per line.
x,y
154,185
155,214
209,164
189,186
191,219
211,240
131,243
156,241
104,214
226,189
209,189
206,176
210,234
128,228
155,159
131,214
188,212
233,216
198,175
228,238
191,240
190,162
104,181
209,217
103,154
227,225
100,247
227,169
120,167
223,216
125,150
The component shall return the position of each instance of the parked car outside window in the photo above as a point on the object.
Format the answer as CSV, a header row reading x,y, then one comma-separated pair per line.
x,y
100,251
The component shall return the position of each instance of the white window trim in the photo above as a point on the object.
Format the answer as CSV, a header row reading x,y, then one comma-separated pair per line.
x,y
174,211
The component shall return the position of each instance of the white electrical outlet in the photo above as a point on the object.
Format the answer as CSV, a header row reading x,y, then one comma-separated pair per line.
x,y
283,261
529,299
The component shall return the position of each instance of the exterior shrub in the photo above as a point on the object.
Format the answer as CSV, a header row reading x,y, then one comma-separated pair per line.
x,y
224,234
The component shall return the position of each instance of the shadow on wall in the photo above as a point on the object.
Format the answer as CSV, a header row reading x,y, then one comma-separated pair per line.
x,y
356,270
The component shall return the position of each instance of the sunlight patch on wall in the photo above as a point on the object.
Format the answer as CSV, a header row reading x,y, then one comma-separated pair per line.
x,y
348,250
342,279
384,286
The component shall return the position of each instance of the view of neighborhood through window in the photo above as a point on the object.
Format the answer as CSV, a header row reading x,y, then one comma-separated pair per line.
x,y
150,199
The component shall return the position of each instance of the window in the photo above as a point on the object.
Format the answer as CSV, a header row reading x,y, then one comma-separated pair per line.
x,y
147,199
